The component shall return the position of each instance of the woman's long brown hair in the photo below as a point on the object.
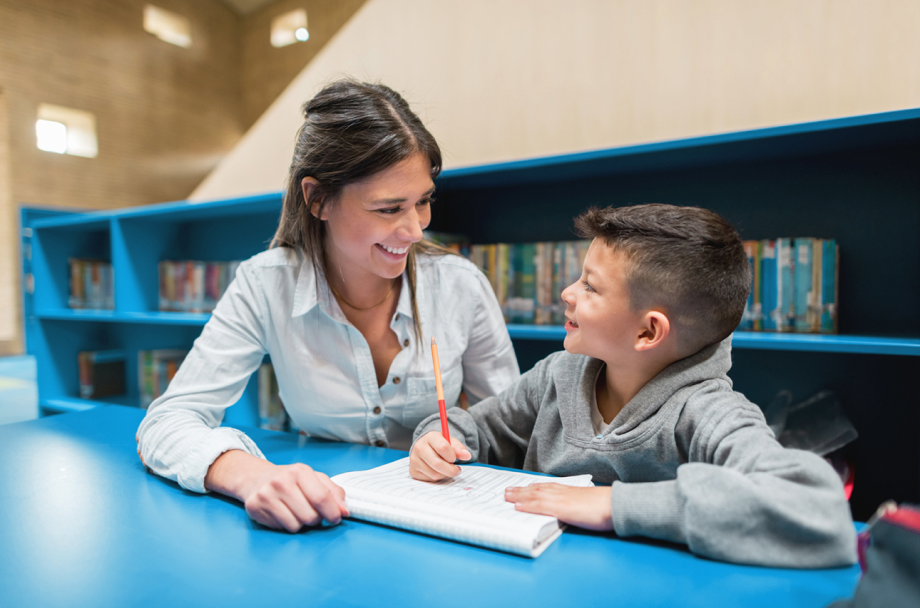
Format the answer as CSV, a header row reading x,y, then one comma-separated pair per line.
x,y
351,131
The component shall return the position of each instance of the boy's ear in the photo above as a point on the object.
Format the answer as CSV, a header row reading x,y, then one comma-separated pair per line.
x,y
654,331
309,186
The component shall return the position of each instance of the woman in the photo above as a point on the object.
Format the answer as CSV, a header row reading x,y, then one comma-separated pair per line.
x,y
345,302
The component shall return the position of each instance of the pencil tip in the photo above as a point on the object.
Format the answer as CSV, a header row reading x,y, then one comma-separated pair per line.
x,y
432,339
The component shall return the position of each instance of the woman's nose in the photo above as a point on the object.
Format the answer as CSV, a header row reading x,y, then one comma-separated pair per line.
x,y
411,228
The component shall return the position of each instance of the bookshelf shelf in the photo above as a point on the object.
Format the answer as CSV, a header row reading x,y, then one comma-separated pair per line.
x,y
853,179
150,318
877,345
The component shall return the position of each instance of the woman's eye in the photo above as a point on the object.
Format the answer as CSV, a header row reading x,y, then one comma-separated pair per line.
x,y
426,201
390,210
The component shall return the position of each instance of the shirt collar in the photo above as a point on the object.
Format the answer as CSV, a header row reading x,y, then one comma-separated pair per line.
x,y
312,290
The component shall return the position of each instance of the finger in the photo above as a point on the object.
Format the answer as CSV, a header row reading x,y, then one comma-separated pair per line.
x,y
439,456
320,497
338,493
296,501
442,448
426,473
460,450
275,509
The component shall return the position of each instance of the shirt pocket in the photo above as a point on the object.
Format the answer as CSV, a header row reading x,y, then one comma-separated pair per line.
x,y
423,395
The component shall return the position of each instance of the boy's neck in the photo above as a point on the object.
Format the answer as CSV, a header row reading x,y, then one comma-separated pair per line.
x,y
619,384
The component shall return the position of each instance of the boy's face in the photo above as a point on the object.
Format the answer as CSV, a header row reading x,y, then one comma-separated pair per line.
x,y
600,322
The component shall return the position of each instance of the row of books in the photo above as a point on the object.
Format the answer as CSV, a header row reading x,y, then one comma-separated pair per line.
x,y
528,278
794,286
91,284
101,372
155,370
192,285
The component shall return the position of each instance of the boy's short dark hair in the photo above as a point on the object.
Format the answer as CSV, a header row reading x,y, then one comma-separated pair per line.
x,y
686,260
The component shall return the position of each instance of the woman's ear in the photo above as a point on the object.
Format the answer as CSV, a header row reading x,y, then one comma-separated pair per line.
x,y
310,185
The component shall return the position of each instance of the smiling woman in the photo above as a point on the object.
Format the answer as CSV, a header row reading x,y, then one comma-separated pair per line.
x,y
343,301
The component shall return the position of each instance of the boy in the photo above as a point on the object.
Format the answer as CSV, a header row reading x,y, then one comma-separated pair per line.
x,y
640,399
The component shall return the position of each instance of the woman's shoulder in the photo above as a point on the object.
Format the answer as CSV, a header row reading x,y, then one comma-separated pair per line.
x,y
451,266
274,258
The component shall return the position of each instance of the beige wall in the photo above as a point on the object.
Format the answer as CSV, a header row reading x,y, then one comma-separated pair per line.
x,y
507,79
165,115
267,70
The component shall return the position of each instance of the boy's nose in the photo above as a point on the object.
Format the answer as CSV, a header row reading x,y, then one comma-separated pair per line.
x,y
567,295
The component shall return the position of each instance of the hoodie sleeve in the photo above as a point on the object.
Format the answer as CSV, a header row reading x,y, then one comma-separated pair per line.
x,y
743,498
497,430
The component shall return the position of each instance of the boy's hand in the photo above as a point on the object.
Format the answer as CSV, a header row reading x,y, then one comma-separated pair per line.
x,y
432,458
583,507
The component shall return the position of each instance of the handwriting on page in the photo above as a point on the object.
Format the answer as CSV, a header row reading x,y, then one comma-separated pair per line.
x,y
476,489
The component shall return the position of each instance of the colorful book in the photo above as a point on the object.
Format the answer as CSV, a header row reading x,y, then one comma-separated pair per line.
x,y
804,253
102,373
830,261
785,284
272,415
769,286
750,319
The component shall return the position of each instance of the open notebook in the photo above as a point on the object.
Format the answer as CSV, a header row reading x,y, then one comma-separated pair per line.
x,y
470,507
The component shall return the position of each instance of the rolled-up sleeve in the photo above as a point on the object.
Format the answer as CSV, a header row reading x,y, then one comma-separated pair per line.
x,y
180,437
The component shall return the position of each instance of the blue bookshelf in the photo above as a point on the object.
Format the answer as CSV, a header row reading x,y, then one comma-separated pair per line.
x,y
855,179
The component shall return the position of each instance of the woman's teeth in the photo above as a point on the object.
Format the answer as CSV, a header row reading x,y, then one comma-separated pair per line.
x,y
395,250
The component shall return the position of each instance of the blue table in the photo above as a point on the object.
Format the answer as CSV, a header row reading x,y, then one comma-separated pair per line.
x,y
83,524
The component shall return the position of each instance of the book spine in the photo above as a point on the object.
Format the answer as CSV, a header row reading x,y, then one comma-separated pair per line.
x,y
785,262
829,287
817,265
76,299
803,282
769,285
747,317
85,368
527,278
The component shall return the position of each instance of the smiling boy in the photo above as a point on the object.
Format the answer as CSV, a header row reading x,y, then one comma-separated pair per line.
x,y
641,399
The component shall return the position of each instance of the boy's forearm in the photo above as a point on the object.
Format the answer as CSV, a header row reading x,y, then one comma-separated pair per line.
x,y
758,518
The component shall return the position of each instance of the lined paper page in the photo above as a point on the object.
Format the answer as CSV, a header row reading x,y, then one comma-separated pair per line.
x,y
471,503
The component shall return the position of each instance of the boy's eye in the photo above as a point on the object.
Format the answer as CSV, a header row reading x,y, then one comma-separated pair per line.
x,y
587,286
389,210
426,201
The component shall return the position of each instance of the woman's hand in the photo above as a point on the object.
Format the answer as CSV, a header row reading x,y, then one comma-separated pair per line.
x,y
432,458
285,497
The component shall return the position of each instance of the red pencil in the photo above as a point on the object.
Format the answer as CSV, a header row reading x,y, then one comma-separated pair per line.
x,y
437,382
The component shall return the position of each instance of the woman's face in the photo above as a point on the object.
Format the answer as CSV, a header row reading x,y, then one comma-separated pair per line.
x,y
372,223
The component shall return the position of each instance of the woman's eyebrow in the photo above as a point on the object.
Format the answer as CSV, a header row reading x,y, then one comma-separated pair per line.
x,y
391,201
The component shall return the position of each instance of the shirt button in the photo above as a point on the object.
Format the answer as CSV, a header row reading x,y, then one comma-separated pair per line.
x,y
406,342
377,410
396,380
397,316
379,443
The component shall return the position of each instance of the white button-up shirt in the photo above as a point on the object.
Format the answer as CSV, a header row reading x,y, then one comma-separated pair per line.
x,y
278,305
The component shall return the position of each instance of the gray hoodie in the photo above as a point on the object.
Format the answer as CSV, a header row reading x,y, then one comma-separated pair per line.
x,y
691,461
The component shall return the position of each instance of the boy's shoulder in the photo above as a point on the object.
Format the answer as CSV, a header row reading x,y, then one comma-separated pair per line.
x,y
563,370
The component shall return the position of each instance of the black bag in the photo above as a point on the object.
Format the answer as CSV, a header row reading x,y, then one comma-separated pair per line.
x,y
889,555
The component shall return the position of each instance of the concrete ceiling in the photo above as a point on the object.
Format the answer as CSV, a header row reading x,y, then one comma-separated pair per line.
x,y
244,7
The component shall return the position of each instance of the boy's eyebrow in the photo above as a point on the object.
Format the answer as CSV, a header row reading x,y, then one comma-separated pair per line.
x,y
391,201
